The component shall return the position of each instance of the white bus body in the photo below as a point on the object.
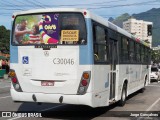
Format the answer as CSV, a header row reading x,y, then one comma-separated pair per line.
x,y
68,73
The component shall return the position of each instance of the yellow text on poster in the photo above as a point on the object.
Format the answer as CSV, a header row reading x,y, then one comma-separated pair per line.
x,y
69,35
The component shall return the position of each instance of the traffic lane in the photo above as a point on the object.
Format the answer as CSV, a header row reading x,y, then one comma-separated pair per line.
x,y
4,95
4,83
156,107
33,114
77,111
85,112
136,102
6,104
4,90
69,112
51,111
141,101
4,86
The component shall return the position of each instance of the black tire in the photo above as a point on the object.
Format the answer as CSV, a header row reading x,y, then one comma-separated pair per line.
x,y
143,89
123,95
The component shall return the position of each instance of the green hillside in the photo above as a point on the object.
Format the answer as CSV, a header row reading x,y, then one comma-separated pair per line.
x,y
152,15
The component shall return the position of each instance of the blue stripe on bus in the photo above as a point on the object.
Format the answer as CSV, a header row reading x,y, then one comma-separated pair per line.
x,y
85,51
14,54
13,50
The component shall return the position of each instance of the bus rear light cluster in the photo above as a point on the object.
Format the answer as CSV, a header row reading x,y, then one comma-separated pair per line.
x,y
84,83
15,83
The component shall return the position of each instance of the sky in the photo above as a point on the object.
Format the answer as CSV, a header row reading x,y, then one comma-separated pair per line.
x,y
104,8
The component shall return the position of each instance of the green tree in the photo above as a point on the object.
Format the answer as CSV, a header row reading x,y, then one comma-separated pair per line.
x,y
155,56
4,39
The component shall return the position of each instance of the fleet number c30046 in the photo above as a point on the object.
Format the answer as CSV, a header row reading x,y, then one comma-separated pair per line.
x,y
63,61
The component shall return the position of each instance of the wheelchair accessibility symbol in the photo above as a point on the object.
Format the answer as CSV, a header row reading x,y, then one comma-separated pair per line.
x,y
25,60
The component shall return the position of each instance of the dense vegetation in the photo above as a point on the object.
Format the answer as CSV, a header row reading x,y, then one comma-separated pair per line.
x,y
4,40
155,56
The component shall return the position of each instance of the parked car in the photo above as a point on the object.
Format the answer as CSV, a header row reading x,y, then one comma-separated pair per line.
x,y
159,68
155,73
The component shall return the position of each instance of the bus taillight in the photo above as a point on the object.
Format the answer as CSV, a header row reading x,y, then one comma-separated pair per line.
x,y
85,13
12,74
85,75
14,80
84,83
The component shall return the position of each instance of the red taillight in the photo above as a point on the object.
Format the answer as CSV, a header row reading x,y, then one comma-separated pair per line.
x,y
85,13
13,16
14,80
84,82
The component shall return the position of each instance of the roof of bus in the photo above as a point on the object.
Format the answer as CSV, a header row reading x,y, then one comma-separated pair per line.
x,y
50,10
88,15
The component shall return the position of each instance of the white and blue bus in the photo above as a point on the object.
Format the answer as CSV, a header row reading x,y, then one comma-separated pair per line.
x,y
68,55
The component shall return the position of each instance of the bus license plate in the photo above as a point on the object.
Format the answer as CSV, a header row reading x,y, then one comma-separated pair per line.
x,y
47,83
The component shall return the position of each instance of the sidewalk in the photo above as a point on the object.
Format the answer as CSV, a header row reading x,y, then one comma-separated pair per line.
x,y
4,78
5,85
4,82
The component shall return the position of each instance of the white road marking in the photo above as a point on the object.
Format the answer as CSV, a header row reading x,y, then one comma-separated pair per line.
x,y
153,86
5,87
39,111
51,108
148,109
5,97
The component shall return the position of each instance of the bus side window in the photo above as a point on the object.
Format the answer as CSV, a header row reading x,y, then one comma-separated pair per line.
x,y
124,49
137,52
131,51
100,47
142,54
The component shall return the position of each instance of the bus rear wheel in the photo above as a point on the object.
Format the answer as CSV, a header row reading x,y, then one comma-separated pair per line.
x,y
143,89
123,95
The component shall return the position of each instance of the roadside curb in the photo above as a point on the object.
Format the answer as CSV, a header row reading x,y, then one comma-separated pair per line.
x,y
5,80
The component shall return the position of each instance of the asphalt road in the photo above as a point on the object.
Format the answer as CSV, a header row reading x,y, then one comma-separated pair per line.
x,y
137,104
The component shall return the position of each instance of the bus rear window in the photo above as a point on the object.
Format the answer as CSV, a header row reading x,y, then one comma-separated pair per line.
x,y
49,28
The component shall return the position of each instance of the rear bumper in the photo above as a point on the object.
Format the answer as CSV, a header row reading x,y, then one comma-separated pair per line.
x,y
154,77
52,98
